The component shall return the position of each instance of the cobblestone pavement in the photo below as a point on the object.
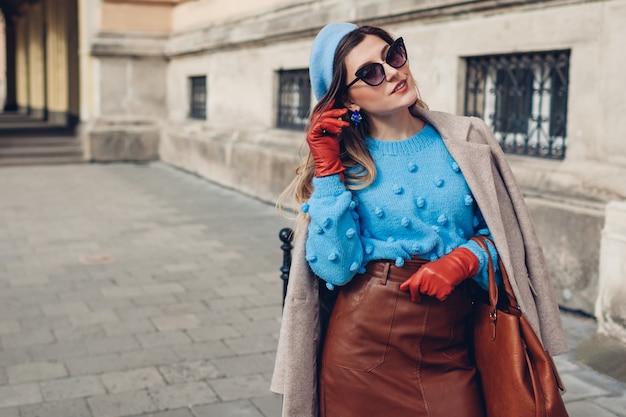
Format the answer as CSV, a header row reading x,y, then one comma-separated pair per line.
x,y
140,290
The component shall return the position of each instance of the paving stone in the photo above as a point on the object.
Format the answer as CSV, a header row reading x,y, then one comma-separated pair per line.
x,y
270,405
188,371
249,328
95,364
155,300
182,395
177,322
72,333
148,357
563,364
263,313
245,364
139,271
22,394
241,408
178,277
190,307
10,412
223,317
235,290
138,313
58,351
27,339
14,356
163,288
181,267
615,404
231,304
217,332
34,280
160,339
132,379
240,387
83,294
252,344
122,291
122,404
129,327
9,326
30,301
96,304
20,311
578,388
207,350
66,408
45,323
4,379
197,289
74,387
586,409
181,412
35,371
113,344
270,277
270,296
69,307
94,317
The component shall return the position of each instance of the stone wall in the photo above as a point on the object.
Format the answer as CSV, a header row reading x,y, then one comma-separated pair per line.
x,y
570,231
260,165
610,307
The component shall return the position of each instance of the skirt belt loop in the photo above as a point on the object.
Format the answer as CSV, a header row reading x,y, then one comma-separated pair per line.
x,y
383,279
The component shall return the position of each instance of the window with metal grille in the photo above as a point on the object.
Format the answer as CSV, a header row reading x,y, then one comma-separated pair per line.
x,y
197,96
523,98
294,99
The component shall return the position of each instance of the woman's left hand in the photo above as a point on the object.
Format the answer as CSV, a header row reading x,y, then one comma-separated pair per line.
x,y
439,278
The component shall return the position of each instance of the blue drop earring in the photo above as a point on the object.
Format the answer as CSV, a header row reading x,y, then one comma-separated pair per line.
x,y
356,117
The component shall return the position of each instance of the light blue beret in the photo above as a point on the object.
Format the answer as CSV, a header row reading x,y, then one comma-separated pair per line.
x,y
323,54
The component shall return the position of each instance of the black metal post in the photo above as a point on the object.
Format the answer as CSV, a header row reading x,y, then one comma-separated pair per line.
x,y
286,236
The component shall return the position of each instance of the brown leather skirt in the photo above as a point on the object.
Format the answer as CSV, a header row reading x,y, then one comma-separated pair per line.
x,y
387,356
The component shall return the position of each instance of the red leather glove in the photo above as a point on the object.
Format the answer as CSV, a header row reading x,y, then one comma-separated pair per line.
x,y
323,140
438,278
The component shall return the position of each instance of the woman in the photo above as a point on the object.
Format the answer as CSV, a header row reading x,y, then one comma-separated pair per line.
x,y
391,194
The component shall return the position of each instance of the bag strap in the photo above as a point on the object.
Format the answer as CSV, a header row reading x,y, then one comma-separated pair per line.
x,y
491,275
493,288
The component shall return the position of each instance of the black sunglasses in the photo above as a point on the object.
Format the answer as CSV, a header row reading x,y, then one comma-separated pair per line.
x,y
374,73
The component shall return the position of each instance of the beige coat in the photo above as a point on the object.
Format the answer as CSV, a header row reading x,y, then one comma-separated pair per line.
x,y
493,185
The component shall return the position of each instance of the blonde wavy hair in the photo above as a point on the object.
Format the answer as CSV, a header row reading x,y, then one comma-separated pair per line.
x,y
360,168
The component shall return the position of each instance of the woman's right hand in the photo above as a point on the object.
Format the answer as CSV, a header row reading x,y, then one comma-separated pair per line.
x,y
323,140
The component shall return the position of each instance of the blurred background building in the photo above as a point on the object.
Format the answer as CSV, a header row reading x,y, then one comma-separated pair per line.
x,y
220,88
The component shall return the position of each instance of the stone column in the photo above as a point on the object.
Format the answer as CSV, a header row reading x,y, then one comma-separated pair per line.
x,y
611,305
57,71
73,72
10,103
3,58
36,60
21,64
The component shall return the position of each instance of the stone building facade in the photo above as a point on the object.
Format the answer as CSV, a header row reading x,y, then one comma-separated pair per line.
x,y
205,85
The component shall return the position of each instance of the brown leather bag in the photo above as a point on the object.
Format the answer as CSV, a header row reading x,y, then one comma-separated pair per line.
x,y
518,376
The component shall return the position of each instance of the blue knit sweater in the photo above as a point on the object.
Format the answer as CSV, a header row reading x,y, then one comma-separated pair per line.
x,y
419,205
